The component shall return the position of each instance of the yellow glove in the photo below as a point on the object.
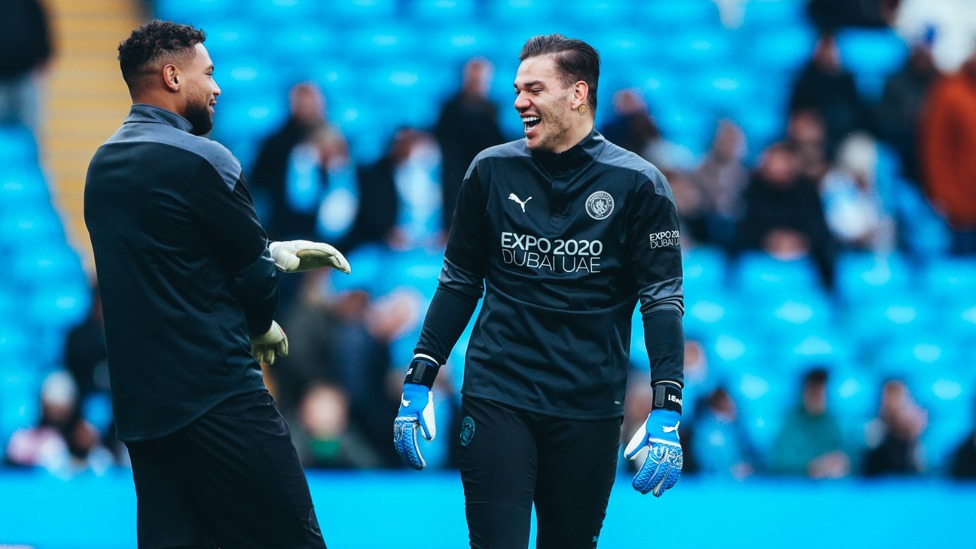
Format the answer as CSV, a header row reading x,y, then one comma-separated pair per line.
x,y
265,347
295,256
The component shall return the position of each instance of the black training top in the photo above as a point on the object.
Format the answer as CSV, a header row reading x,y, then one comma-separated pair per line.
x,y
183,268
566,245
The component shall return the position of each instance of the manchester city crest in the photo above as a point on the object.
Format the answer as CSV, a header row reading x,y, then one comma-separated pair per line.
x,y
467,430
599,205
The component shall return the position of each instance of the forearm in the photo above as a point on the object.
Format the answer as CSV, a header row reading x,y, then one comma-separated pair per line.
x,y
665,341
256,288
447,316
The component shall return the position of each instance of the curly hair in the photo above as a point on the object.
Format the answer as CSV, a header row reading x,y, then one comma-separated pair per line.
x,y
154,42
576,59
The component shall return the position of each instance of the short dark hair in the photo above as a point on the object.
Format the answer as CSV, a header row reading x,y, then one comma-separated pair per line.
x,y
576,59
154,42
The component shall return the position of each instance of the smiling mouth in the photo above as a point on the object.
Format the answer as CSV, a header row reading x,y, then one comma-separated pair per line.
x,y
530,122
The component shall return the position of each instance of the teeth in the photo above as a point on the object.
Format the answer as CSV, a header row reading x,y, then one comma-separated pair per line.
x,y
530,119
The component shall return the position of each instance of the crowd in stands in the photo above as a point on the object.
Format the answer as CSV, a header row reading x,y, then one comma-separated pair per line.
x,y
890,177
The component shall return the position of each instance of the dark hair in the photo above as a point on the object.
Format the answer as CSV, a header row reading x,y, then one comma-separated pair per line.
x,y
576,59
816,376
154,42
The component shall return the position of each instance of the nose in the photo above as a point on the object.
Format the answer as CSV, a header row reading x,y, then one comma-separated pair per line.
x,y
216,88
521,102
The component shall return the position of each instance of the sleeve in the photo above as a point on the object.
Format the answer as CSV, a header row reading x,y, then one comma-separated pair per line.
x,y
239,243
656,254
461,282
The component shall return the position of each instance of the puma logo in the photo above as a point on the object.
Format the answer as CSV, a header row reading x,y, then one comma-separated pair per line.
x,y
671,429
520,202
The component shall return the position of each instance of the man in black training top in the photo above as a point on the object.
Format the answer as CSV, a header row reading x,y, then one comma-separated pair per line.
x,y
567,232
189,286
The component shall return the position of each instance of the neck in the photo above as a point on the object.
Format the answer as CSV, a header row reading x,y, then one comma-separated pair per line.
x,y
576,134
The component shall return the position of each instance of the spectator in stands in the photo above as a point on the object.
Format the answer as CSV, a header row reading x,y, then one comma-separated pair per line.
x,y
811,442
722,178
693,212
633,128
401,203
835,14
900,111
855,212
291,207
25,40
783,215
718,441
467,124
62,442
340,336
825,87
949,152
892,438
326,438
806,135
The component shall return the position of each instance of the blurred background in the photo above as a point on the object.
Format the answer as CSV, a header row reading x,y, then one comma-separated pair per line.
x,y
822,155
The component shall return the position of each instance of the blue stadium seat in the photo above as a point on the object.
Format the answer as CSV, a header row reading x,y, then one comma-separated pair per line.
x,y
765,14
357,11
516,11
14,341
725,89
382,40
442,12
17,146
282,12
871,55
251,115
853,394
199,13
801,349
664,16
46,265
694,49
763,396
27,228
890,319
457,44
780,49
733,351
712,312
925,354
950,279
704,269
863,276
298,42
232,41
762,276
23,189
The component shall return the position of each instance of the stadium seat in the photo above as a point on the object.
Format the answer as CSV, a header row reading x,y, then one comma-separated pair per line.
x,y
763,397
725,89
704,269
442,12
664,16
199,13
853,394
46,265
950,279
762,276
766,14
926,353
282,12
391,41
506,12
27,228
871,55
355,12
780,49
23,189
459,44
863,277
17,147
708,313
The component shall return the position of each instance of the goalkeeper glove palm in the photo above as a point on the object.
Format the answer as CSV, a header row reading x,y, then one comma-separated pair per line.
x,y
295,256
662,466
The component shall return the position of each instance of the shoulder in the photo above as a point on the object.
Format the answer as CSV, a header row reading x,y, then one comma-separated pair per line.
x,y
645,174
491,155
217,156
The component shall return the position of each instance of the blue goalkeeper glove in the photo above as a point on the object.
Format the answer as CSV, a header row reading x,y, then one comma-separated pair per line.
x,y
662,466
416,411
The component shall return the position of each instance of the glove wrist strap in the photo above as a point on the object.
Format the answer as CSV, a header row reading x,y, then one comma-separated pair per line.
x,y
422,371
667,396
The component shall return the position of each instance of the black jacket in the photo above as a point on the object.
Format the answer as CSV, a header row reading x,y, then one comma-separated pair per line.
x,y
183,268
566,245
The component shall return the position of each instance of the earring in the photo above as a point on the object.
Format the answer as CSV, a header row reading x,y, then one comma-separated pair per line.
x,y
581,109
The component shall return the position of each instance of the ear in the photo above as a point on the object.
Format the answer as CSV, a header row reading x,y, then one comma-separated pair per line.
x,y
580,92
171,77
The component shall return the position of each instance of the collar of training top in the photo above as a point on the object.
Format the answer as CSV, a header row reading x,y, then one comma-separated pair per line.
x,y
151,114
574,157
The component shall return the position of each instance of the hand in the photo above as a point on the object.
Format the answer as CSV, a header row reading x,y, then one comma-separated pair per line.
x,y
662,466
416,410
265,347
295,256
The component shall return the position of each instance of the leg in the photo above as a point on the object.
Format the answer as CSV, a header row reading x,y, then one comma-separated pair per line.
x,y
577,464
165,511
247,477
498,470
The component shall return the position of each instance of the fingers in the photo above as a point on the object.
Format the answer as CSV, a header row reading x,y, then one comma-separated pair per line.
x,y
318,255
405,442
660,471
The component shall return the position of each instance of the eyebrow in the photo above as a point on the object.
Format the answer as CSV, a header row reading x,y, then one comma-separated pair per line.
x,y
529,84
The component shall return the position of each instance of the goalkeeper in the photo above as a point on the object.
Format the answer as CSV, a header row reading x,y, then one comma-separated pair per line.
x,y
189,287
568,233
